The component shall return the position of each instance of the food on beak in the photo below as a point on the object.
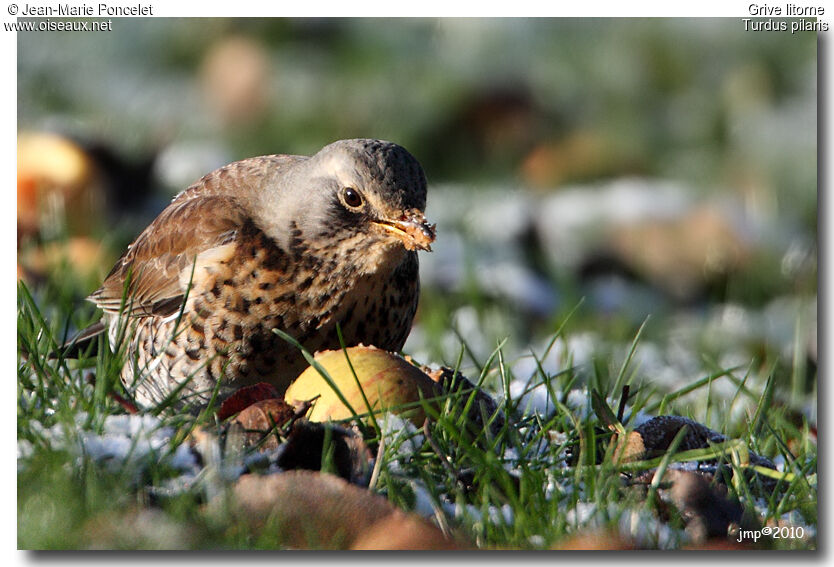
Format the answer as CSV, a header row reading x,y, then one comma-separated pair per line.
x,y
412,229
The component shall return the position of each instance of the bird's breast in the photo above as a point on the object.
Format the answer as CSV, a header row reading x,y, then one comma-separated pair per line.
x,y
237,300
261,287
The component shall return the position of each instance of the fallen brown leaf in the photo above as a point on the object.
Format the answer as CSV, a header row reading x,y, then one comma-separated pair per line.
x,y
261,418
245,397
311,510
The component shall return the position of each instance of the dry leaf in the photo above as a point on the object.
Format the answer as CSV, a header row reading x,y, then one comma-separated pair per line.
x,y
245,397
261,418
318,511
596,540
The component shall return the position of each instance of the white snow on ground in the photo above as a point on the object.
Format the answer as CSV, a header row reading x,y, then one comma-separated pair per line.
x,y
123,439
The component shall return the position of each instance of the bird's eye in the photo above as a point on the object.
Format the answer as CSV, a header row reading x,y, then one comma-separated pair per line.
x,y
352,197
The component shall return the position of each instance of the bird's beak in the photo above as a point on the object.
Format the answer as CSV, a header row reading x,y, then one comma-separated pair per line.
x,y
412,228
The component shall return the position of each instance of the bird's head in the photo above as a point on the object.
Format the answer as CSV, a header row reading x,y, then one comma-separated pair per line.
x,y
366,197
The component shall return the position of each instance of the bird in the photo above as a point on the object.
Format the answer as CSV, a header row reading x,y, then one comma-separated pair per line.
x,y
308,245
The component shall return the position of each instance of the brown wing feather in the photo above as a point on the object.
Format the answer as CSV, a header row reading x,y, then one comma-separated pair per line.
x,y
153,264
202,218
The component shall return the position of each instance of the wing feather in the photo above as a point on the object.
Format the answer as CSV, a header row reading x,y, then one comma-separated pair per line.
x,y
152,275
149,273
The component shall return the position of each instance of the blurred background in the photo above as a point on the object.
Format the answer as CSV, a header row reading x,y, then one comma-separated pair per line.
x,y
587,176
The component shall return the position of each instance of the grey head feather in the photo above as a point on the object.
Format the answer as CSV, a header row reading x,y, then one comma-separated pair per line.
x,y
303,193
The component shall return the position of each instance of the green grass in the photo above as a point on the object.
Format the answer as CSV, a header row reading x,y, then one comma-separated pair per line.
x,y
530,483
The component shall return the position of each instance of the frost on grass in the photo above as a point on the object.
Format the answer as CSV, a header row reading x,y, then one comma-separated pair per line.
x,y
123,442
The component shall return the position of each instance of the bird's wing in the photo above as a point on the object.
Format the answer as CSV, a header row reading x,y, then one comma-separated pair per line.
x,y
150,274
